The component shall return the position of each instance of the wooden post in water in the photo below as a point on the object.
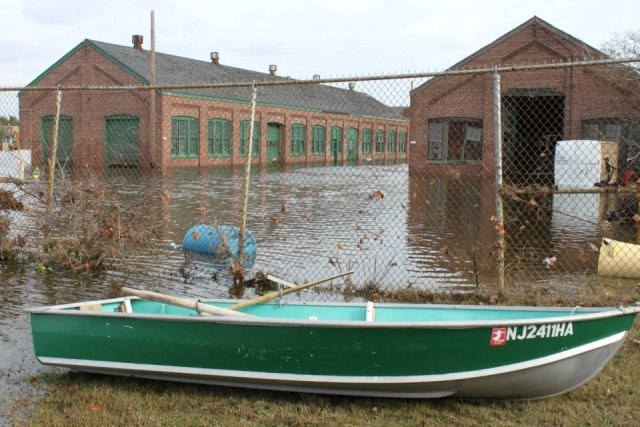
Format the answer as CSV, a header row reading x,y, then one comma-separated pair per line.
x,y
52,158
238,269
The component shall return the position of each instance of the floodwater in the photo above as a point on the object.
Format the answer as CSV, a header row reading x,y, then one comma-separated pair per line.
x,y
395,230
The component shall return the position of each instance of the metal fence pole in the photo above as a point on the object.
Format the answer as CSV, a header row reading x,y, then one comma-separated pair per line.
x,y
497,138
152,109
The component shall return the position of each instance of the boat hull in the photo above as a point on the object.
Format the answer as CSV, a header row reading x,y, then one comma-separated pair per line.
x,y
497,359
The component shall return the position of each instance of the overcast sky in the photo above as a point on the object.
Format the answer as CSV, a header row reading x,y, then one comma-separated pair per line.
x,y
333,38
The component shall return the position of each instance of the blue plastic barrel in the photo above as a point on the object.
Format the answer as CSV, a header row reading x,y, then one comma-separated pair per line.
x,y
221,243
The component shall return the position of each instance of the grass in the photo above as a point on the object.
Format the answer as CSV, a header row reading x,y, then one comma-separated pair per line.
x,y
612,398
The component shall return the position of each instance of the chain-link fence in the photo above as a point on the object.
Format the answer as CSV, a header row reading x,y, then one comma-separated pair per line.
x,y
443,181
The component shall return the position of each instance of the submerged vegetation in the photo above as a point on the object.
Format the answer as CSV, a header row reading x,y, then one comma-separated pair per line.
x,y
81,224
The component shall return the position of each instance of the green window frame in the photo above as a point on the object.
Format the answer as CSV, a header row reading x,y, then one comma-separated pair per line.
x,y
318,139
402,142
121,139
244,138
366,141
392,141
336,140
185,137
219,138
379,141
298,139
64,148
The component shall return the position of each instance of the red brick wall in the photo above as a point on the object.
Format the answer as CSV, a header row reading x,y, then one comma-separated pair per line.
x,y
88,110
204,110
587,93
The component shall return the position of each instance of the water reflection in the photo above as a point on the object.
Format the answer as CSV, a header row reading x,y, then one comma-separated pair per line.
x,y
308,222
395,229
451,237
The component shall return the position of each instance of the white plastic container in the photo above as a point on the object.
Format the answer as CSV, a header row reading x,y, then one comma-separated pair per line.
x,y
580,164
13,163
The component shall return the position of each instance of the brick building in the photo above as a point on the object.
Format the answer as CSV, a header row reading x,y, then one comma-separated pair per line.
x,y
452,117
198,127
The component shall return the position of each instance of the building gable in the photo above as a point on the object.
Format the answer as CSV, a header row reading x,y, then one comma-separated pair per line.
x,y
534,36
530,51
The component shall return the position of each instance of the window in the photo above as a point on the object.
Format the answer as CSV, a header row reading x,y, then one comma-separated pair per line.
x,y
318,137
379,141
366,141
602,129
402,142
392,141
336,140
298,139
219,138
244,138
455,140
184,137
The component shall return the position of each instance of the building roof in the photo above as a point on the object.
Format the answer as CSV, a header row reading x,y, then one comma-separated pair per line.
x,y
174,70
589,52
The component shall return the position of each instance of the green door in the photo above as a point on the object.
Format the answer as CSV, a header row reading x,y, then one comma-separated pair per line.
x,y
121,140
352,144
65,140
273,143
336,144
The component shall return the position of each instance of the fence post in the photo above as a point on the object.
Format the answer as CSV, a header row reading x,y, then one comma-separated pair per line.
x,y
497,138
154,156
239,268
54,149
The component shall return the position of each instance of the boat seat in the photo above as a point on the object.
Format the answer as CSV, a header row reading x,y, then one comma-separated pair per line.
x,y
125,306
90,307
370,315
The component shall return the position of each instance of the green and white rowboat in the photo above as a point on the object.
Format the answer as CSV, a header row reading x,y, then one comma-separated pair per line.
x,y
390,350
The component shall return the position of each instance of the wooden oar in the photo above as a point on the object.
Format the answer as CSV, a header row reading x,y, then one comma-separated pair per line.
x,y
280,281
272,295
230,311
183,302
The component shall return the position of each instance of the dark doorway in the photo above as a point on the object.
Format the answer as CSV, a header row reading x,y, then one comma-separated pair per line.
x,y
121,140
532,122
273,143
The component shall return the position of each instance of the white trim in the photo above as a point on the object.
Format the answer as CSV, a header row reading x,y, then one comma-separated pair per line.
x,y
584,314
371,312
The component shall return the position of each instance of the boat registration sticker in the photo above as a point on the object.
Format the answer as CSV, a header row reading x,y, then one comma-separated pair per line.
x,y
500,336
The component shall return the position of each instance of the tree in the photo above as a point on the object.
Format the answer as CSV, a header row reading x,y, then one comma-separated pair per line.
x,y
625,45
625,78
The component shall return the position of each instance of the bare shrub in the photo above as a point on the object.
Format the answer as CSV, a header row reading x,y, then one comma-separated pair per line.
x,y
90,225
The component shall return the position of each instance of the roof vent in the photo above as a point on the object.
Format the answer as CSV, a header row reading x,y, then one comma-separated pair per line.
x,y
316,77
352,85
137,39
272,69
215,58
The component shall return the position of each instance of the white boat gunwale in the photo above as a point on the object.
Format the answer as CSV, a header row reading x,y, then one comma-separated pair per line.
x,y
579,314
